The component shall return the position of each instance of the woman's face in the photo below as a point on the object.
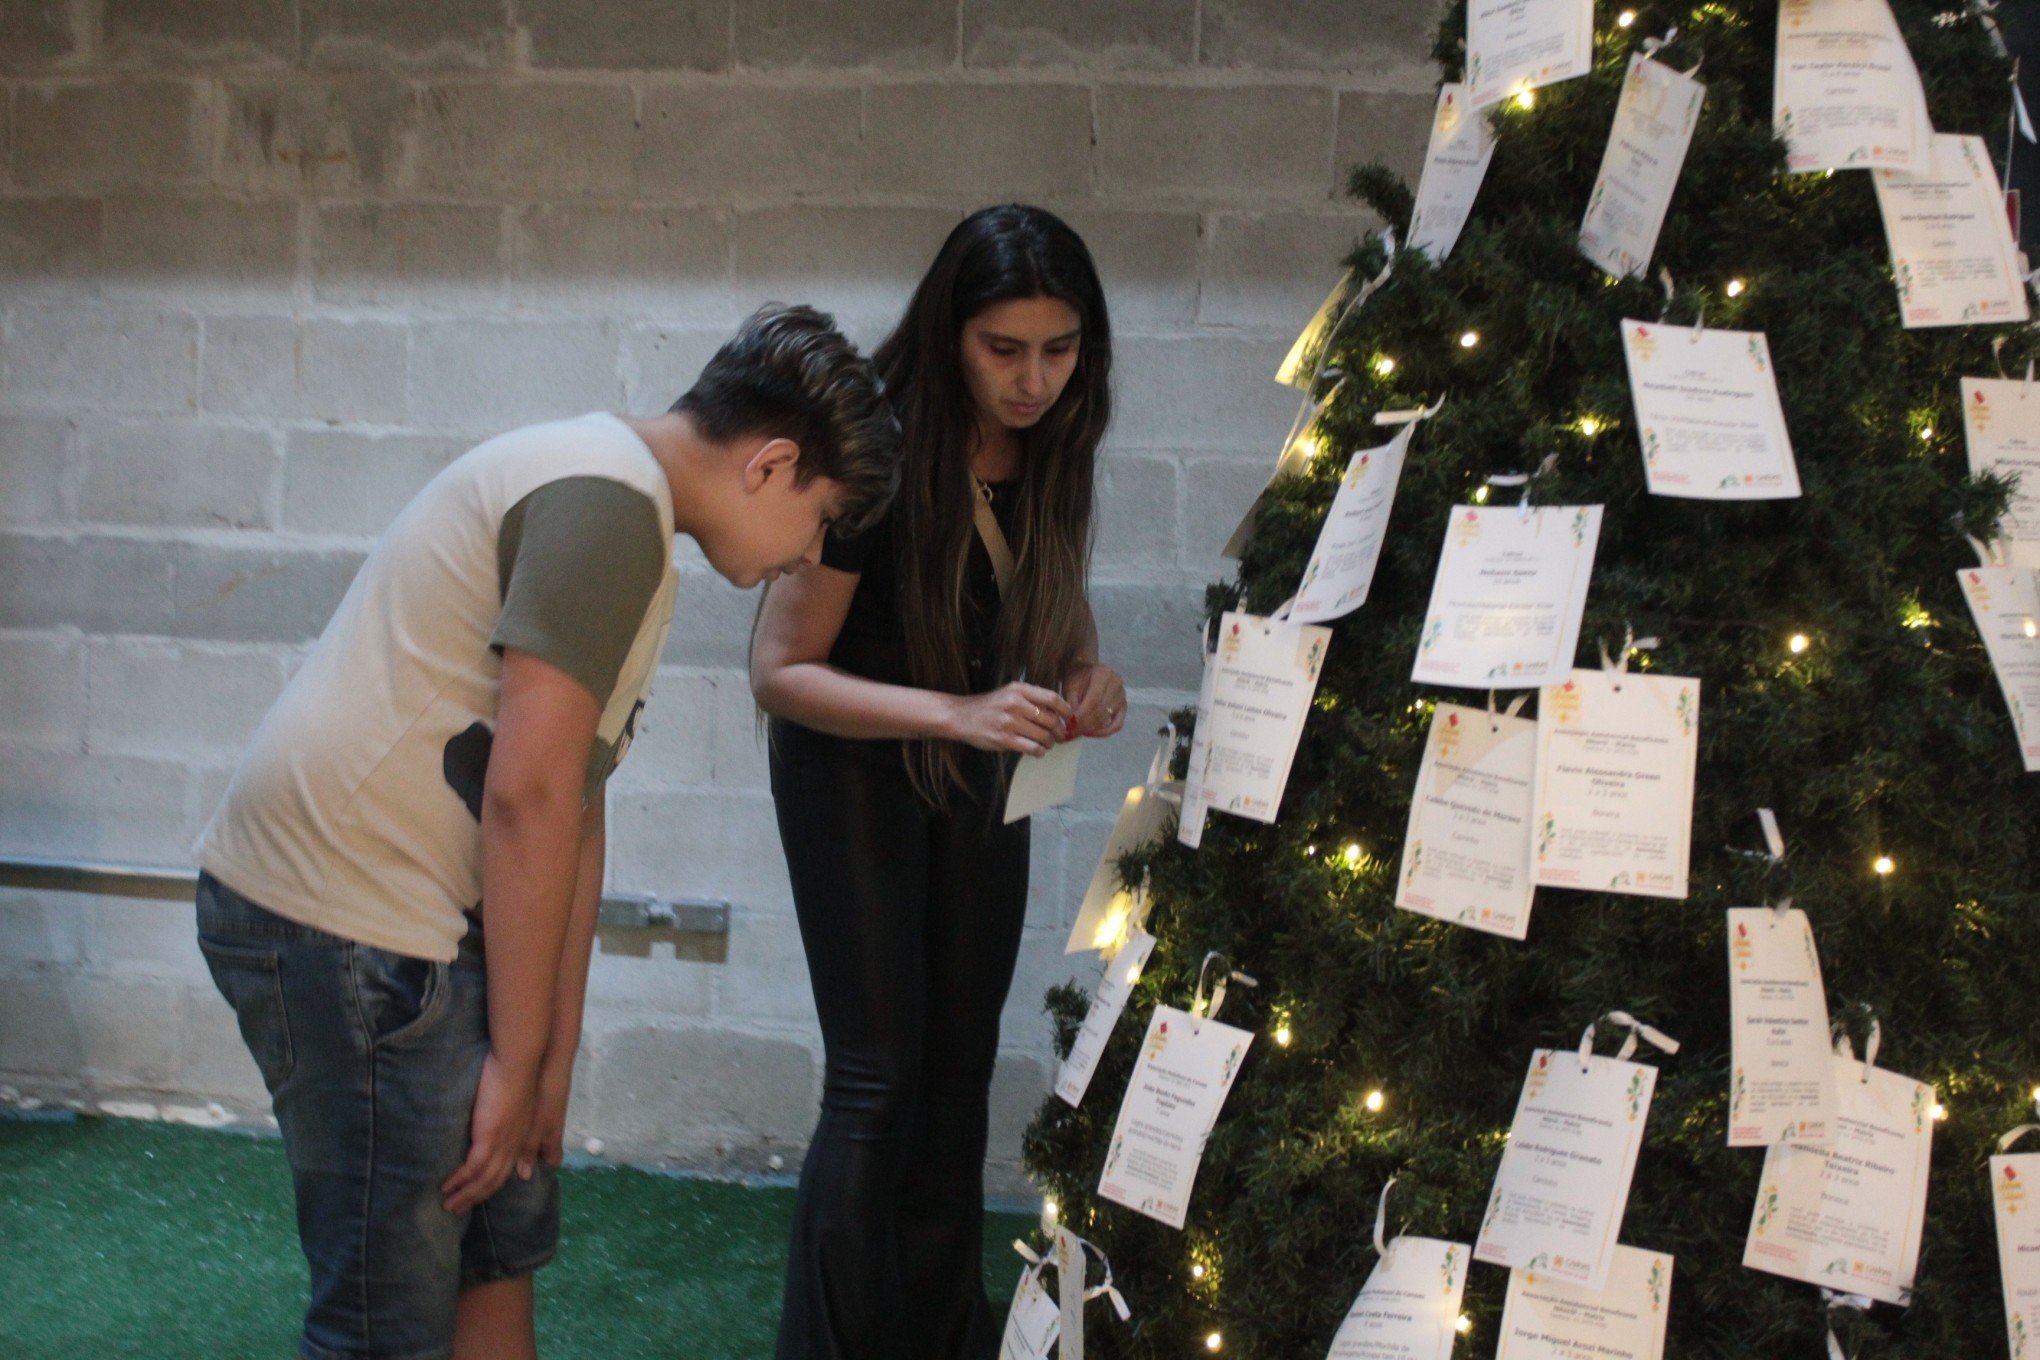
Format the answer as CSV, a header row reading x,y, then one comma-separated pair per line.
x,y
1018,356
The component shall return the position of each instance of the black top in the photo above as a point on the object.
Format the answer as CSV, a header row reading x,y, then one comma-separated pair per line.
x,y
872,640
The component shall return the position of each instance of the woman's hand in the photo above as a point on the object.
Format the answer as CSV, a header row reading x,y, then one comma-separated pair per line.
x,y
1016,717
1099,697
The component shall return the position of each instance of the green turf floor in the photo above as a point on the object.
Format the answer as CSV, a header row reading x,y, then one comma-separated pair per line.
x,y
120,1238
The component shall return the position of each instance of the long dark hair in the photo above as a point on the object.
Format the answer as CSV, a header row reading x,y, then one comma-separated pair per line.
x,y
995,255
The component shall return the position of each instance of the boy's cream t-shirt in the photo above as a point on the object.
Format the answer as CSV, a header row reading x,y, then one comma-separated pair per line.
x,y
357,809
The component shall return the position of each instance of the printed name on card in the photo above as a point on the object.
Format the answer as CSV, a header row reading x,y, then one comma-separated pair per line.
x,y
1180,1081
1845,93
1952,253
1546,1318
1409,1307
1263,677
1341,567
1455,162
1781,1070
1513,46
1466,855
1506,602
1654,121
1707,413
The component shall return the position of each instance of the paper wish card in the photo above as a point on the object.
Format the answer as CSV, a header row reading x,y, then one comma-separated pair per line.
x,y
1545,1318
2001,427
1848,1216
2005,602
2018,1238
1263,677
1179,1084
1466,856
1190,824
1455,163
1073,1078
1341,566
1043,781
1506,602
1303,445
1033,1322
1654,121
1845,94
1782,1082
1518,45
1293,372
1108,904
1707,413
1952,252
1558,1199
1409,1307
1616,752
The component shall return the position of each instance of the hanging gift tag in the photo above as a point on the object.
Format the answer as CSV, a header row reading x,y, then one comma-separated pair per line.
x,y
1707,413
1108,904
1848,1216
1783,1072
1069,1291
1513,46
1559,1196
1298,451
1263,678
1455,162
2005,602
1466,856
1341,566
1074,1077
1506,602
1294,371
1179,1084
2001,426
1190,824
1654,121
1846,94
2018,1239
1952,253
1033,1321
1409,1307
1616,752
1546,1318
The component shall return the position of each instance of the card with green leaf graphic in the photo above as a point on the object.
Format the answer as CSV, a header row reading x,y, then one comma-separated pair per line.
x,y
1514,46
1073,1078
1616,755
2001,430
2018,1236
1179,1084
1506,601
1341,567
1654,123
1466,856
1263,677
1951,245
1033,1322
1455,162
1546,1318
1409,1307
1783,1071
2005,602
1845,93
1707,413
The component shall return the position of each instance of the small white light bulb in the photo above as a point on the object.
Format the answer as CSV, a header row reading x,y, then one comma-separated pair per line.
x,y
1213,1341
1375,1100
1353,853
1282,1036
1735,287
1468,339
1463,1325
1589,426
1938,1111
1197,1271
1622,20
1926,433
1798,643
1526,99
1384,365
1884,864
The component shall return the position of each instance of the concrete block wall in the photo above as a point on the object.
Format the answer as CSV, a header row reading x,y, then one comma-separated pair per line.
x,y
266,265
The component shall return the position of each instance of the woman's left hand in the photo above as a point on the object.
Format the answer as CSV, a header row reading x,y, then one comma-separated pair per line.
x,y
1098,695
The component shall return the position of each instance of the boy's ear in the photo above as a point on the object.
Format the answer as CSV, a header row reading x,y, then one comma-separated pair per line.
x,y
773,458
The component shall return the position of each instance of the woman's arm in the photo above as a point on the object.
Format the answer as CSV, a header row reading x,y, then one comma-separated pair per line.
x,y
791,678
1095,690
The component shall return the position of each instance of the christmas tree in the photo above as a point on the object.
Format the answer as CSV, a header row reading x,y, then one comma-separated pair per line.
x,y
1845,687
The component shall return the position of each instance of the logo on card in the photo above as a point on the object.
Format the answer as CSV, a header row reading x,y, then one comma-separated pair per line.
x,y
2011,1190
1742,948
1158,1042
1644,343
1980,414
1539,1078
1450,735
1229,645
1466,528
1566,702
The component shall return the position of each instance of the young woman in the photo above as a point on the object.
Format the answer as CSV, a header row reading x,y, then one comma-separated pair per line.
x,y
902,674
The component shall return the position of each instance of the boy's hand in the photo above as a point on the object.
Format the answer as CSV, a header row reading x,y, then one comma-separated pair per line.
x,y
549,1122
504,1102
1098,696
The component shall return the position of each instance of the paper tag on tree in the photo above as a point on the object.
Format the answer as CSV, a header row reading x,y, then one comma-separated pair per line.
x,y
2018,1237
2001,427
1616,752
1292,371
1409,1307
1846,94
1654,121
1455,163
1848,1216
1707,413
1782,1083
1190,824
1506,602
1341,566
1952,252
1263,678
1178,1086
1074,1077
1466,856
1558,1199
1518,45
1546,1318
2005,602
1033,1321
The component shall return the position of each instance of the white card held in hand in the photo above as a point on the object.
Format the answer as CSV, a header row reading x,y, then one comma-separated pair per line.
x,y
1341,566
1616,752
1558,1199
1264,676
2018,1236
1043,781
1178,1086
1707,413
1654,123
2001,426
2005,602
1545,1318
1074,1077
1506,602
1409,1307
1782,1084
1848,1216
1846,94
1034,1321
1455,163
1466,857
1952,252
1518,45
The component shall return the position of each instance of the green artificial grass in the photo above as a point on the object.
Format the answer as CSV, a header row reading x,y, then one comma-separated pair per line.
x,y
127,1238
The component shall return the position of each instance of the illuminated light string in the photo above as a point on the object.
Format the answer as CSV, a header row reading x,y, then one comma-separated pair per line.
x,y
1735,287
1884,865
1797,644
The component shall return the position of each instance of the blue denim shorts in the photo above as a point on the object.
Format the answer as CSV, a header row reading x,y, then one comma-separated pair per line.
x,y
372,1059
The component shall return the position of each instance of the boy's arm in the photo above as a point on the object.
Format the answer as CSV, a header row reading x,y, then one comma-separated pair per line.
x,y
556,1075
531,838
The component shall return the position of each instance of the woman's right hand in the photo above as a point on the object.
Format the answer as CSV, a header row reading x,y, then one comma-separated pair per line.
x,y
1016,717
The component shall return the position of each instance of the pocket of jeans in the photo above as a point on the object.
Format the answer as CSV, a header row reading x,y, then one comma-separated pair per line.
x,y
252,982
400,996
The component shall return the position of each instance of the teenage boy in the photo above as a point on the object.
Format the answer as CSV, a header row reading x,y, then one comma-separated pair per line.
x,y
435,771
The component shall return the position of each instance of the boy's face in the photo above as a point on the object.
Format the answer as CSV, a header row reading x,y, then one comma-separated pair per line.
x,y
778,524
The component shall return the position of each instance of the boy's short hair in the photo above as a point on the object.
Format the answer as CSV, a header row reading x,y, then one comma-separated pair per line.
x,y
788,373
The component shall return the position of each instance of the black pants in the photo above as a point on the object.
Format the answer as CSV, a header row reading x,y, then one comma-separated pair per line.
x,y
911,922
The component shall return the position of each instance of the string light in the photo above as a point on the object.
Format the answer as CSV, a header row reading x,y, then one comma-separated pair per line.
x,y
1884,864
1353,854
1375,1100
1197,1270
1309,850
1213,1341
1480,495
1622,20
1926,432
2032,630
1463,1325
2036,1095
1282,1036
1589,426
1049,1211
1384,365
1797,643
1468,339
1526,99
1938,1111
1735,287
